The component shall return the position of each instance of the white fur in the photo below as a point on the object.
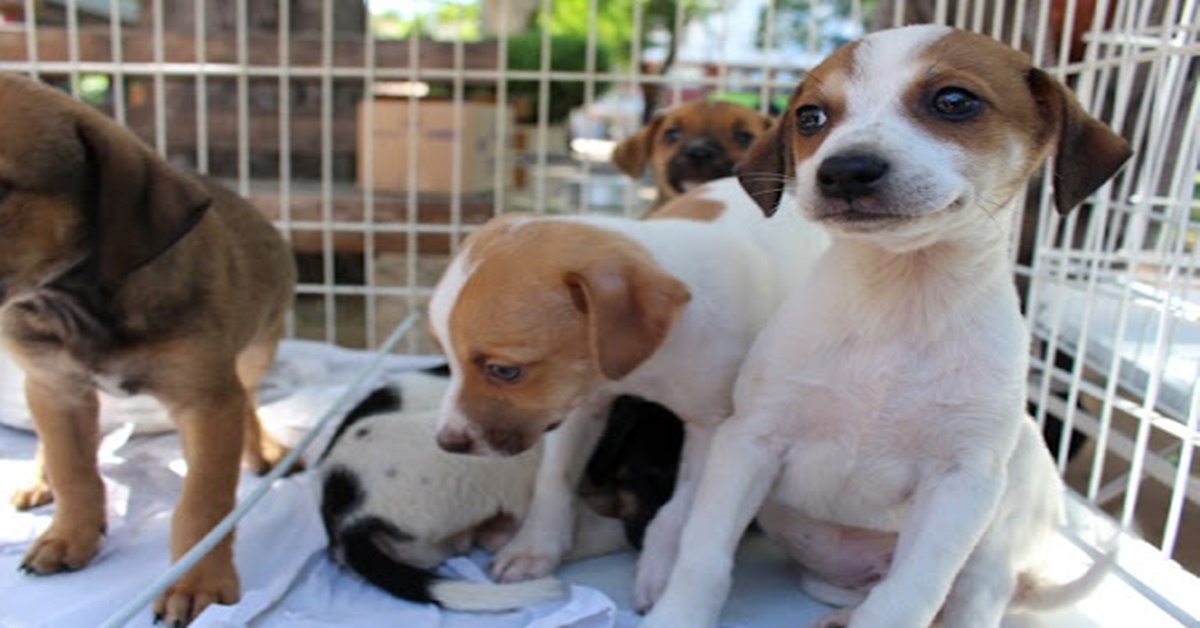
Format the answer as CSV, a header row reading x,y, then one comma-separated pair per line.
x,y
408,481
887,394
737,268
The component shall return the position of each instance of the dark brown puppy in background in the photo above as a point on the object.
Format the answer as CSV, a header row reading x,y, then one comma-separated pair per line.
x,y
690,144
121,273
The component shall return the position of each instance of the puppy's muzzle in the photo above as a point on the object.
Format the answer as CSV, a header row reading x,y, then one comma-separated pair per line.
x,y
702,150
850,177
455,442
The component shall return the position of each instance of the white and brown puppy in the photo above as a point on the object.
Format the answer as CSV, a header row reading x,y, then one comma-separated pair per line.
x,y
690,144
879,430
547,319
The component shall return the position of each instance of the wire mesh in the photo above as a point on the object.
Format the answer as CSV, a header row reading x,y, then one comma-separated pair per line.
x,y
340,132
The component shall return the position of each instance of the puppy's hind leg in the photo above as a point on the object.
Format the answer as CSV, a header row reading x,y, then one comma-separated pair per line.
x,y
261,451
982,591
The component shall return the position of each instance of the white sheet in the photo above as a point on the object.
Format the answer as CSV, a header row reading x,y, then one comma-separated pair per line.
x,y
287,579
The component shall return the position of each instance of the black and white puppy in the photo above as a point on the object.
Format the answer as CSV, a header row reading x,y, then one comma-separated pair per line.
x,y
395,505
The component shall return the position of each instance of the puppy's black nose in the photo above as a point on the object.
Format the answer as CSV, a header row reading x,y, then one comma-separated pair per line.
x,y
700,150
850,176
454,442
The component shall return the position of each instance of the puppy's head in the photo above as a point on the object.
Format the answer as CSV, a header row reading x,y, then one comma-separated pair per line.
x,y
533,315
911,134
691,144
77,188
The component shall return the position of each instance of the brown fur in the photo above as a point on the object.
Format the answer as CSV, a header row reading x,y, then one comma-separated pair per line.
x,y
573,303
688,207
118,266
722,126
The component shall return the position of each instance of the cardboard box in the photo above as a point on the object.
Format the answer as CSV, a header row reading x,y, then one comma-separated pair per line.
x,y
436,137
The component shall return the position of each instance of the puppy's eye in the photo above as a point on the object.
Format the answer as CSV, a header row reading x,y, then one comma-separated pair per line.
x,y
506,373
810,119
743,138
670,136
956,104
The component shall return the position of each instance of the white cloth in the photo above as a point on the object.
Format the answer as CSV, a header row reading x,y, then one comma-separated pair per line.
x,y
286,578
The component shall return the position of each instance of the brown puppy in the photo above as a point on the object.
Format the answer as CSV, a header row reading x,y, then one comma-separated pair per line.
x,y
690,144
122,273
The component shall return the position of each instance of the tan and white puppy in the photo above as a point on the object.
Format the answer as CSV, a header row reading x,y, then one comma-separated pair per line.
x,y
879,432
546,320
690,144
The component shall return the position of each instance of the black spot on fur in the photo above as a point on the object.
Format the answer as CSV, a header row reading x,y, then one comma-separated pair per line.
x,y
363,552
341,494
440,371
362,433
638,457
381,400
390,473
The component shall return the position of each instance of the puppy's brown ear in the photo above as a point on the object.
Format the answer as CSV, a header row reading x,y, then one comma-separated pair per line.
x,y
630,306
632,153
767,166
1087,153
140,205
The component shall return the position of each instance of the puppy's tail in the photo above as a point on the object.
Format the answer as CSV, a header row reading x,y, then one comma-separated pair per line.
x,y
1035,594
364,550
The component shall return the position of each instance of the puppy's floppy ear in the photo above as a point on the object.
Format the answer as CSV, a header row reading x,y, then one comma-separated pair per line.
x,y
767,165
140,205
1087,153
632,153
630,306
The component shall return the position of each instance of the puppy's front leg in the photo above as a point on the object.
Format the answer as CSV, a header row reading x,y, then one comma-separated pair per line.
x,y
211,429
68,427
737,475
661,546
545,533
949,515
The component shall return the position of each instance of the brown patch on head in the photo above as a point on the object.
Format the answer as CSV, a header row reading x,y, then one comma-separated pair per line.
x,y
1017,99
552,308
691,206
771,162
691,144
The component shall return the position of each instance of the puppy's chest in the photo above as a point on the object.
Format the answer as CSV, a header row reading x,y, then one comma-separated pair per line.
x,y
874,417
58,337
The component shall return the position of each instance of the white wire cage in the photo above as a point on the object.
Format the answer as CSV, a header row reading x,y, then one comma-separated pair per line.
x,y
377,135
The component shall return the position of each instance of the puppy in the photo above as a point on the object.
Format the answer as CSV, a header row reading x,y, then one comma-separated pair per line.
x,y
879,431
395,505
690,144
546,320
121,273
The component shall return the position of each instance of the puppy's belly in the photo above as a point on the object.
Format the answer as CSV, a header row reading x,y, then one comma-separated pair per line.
x,y
844,556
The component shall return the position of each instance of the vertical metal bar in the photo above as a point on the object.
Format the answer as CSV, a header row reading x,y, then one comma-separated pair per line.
x,y
371,302
285,134
327,241
543,113
160,107
73,46
243,97
201,46
118,59
31,37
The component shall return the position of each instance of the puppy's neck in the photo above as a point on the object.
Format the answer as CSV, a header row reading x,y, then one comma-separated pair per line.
x,y
931,287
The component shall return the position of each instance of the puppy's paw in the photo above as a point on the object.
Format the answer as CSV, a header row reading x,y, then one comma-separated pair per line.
x,y
649,584
839,618
37,494
63,548
518,561
209,582
267,456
